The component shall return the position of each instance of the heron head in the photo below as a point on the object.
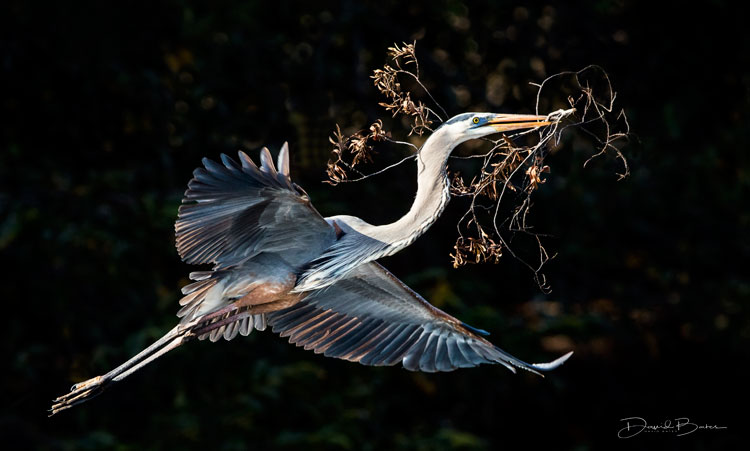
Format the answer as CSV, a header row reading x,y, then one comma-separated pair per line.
x,y
468,126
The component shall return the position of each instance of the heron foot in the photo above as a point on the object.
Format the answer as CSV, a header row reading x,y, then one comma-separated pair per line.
x,y
80,392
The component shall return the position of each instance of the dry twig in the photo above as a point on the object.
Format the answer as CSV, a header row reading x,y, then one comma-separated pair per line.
x,y
488,226
508,167
349,151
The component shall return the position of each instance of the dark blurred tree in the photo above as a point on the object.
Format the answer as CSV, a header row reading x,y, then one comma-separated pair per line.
x,y
107,108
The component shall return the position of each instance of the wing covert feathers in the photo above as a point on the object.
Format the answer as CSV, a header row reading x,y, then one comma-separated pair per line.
x,y
233,211
374,319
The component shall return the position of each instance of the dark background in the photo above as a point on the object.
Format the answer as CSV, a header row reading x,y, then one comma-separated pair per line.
x,y
107,108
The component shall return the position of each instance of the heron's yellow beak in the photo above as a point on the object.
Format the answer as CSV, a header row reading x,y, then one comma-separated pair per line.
x,y
508,122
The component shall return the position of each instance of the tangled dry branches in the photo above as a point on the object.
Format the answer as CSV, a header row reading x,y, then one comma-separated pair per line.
x,y
511,168
493,217
356,147
349,151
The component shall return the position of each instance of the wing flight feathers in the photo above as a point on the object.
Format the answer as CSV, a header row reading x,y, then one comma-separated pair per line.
x,y
233,211
373,318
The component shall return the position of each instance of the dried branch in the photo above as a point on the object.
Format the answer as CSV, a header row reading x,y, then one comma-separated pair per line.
x,y
508,167
350,151
358,146
492,219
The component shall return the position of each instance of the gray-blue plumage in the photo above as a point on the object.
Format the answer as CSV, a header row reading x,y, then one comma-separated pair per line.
x,y
278,262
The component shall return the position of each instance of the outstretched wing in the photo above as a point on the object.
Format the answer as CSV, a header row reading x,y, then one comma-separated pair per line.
x,y
233,211
373,318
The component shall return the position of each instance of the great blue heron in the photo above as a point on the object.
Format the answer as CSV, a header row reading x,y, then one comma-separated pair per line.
x,y
278,262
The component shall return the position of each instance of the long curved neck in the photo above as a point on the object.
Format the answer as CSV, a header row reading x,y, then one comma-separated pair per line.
x,y
433,193
362,242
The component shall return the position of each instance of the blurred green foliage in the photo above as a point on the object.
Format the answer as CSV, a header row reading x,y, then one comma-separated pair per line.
x,y
107,108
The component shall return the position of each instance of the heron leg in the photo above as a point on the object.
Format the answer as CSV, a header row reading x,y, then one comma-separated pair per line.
x,y
265,293
83,391
216,314
244,311
263,299
257,298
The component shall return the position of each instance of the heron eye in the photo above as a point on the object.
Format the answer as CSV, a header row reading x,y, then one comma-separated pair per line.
x,y
476,120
